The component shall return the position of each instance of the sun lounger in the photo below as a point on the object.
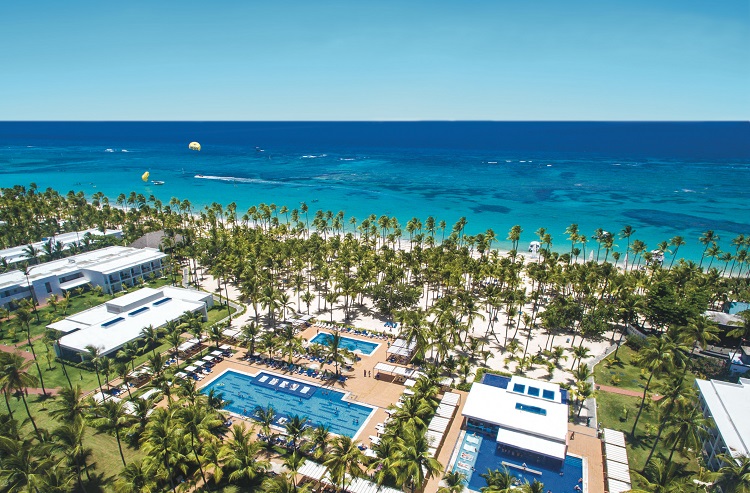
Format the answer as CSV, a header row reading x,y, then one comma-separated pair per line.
x,y
470,448
374,440
464,466
263,378
273,381
284,384
305,390
472,439
294,386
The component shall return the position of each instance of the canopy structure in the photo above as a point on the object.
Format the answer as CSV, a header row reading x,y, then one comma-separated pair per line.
x,y
400,371
614,437
186,346
451,399
191,368
434,438
402,349
618,471
217,353
231,333
225,347
209,358
616,486
445,411
524,441
439,424
318,472
199,363
615,453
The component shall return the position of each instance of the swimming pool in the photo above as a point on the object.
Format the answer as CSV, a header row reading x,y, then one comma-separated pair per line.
x,y
478,453
365,348
321,406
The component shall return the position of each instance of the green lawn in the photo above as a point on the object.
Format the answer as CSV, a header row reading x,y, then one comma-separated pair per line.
x,y
618,412
105,456
624,374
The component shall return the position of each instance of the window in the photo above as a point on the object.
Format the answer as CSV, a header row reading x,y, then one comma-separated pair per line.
x,y
48,287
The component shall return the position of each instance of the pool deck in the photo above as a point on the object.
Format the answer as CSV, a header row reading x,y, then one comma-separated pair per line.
x,y
383,392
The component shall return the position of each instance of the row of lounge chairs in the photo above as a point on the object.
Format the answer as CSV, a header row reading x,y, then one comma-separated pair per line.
x,y
293,368
352,330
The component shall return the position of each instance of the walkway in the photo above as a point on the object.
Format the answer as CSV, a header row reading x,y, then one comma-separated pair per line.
x,y
631,393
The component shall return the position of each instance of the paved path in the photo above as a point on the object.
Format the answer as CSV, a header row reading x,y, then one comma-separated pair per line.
x,y
628,392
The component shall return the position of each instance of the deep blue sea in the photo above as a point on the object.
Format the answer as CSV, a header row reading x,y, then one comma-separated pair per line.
x,y
664,179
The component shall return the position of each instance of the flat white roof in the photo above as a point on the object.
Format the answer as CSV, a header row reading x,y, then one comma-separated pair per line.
x,y
18,253
615,453
105,260
107,328
729,404
517,412
550,448
618,471
614,437
616,486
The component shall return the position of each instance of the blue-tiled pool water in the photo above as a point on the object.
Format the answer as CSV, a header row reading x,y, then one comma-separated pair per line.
x,y
365,348
321,405
479,453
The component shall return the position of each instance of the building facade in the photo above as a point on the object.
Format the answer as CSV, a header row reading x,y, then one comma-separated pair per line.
x,y
727,407
113,268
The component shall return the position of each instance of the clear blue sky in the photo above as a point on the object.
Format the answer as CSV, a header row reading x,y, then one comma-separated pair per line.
x,y
375,60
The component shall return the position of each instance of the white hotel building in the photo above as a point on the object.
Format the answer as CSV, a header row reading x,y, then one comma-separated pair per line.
x,y
111,325
727,405
112,268
18,254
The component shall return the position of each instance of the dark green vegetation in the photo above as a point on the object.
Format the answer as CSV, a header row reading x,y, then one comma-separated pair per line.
x,y
453,295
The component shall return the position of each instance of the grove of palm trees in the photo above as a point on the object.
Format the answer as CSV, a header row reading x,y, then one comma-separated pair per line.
x,y
469,308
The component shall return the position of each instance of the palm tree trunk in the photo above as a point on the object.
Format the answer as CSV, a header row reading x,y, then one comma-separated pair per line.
x,y
31,418
197,458
33,353
640,409
119,446
7,403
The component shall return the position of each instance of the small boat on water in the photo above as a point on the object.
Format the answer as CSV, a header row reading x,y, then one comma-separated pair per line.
x,y
157,182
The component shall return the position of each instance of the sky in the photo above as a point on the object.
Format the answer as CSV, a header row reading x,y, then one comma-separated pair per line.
x,y
375,60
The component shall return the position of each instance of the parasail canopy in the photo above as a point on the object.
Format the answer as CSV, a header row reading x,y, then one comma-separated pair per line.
x,y
145,176
194,146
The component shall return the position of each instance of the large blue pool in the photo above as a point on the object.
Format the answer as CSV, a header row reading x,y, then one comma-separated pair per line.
x,y
480,453
365,348
321,405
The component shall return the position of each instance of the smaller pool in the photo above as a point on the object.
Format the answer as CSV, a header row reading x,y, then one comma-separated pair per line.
x,y
365,348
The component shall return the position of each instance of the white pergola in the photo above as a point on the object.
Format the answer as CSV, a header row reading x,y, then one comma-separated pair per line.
x,y
318,472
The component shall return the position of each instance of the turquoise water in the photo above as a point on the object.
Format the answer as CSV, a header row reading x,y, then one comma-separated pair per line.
x,y
322,406
475,459
663,179
355,345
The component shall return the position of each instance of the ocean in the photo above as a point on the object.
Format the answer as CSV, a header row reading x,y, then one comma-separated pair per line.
x,y
663,179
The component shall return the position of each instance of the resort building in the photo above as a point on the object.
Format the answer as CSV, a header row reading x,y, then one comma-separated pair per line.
x,y
65,240
520,425
112,268
527,415
727,406
111,325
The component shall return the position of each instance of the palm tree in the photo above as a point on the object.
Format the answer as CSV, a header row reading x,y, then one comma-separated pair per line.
x,y
249,334
453,482
160,444
15,379
319,438
662,477
659,355
335,352
498,481
110,416
413,460
92,352
292,463
71,405
295,428
150,337
734,475
344,461
708,238
24,318
23,465
68,439
136,477
239,454
687,428
533,487
198,423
